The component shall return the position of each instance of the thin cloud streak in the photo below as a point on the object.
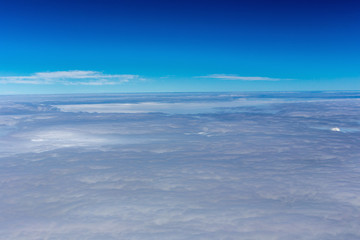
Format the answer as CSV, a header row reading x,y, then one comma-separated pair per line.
x,y
73,77
241,78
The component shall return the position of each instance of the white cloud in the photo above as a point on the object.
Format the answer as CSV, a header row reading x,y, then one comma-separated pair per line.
x,y
73,77
145,107
335,129
138,176
241,78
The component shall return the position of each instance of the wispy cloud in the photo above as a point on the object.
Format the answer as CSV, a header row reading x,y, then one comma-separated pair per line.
x,y
74,77
241,78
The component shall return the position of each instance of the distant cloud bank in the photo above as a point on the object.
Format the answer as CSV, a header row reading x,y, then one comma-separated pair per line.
x,y
95,78
73,77
241,78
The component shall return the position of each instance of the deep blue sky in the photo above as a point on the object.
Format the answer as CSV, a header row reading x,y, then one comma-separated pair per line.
x,y
168,45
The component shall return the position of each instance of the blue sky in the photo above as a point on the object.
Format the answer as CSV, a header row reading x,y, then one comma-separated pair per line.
x,y
154,46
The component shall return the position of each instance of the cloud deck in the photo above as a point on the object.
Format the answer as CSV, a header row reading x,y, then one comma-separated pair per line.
x,y
233,170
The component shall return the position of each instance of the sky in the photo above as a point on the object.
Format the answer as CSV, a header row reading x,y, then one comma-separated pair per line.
x,y
178,46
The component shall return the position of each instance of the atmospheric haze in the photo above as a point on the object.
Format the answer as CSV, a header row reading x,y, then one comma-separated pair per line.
x,y
181,166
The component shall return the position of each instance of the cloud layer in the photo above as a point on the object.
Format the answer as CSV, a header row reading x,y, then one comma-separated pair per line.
x,y
74,77
272,170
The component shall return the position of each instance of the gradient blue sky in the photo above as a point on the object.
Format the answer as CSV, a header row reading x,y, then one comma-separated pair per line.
x,y
151,46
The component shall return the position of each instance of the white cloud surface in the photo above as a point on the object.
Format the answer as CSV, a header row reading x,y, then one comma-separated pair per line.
x,y
73,77
270,171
